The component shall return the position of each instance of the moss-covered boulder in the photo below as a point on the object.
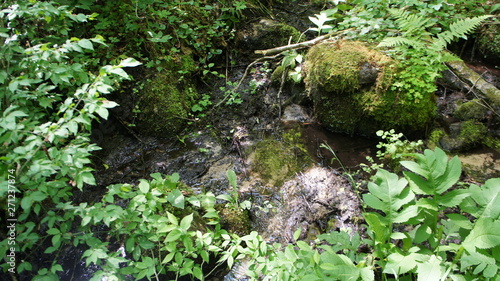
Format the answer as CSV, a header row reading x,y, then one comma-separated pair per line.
x,y
349,83
166,100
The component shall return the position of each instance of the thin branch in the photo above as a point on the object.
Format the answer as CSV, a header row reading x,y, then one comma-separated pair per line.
x,y
305,44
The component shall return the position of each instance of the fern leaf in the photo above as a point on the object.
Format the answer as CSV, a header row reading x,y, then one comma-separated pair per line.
x,y
458,29
391,42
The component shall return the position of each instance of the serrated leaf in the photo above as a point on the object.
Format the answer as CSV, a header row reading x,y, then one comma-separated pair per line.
x,y
399,264
453,198
391,194
484,235
430,270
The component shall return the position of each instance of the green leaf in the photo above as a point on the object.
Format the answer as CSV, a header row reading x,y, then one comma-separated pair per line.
x,y
398,264
452,198
233,179
484,235
389,193
430,269
172,218
186,222
144,186
174,235
176,198
53,231
129,62
168,258
86,44
380,229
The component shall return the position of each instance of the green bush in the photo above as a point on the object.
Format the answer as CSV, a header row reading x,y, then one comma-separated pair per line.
x,y
421,227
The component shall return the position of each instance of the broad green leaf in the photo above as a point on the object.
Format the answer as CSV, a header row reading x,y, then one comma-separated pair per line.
x,y
176,198
144,186
452,198
450,176
186,222
172,218
488,199
460,221
415,168
233,180
484,235
380,229
86,44
389,193
174,235
398,264
430,270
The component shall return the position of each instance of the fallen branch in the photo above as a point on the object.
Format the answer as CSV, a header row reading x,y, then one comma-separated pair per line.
x,y
305,44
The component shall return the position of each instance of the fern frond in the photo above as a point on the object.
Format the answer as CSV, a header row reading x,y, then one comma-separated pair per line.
x,y
391,42
410,23
458,29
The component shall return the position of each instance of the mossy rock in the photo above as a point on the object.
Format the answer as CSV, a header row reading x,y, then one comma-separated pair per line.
x,y
277,160
464,135
471,110
235,220
349,83
266,34
166,101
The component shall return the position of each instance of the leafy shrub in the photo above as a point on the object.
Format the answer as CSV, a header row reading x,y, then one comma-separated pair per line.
x,y
414,229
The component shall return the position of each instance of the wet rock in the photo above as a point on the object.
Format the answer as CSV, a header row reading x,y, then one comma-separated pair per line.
x,y
295,112
310,200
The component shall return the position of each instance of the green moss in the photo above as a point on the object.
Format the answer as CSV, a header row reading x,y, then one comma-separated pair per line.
x,y
335,67
166,101
277,160
471,110
235,220
435,137
350,85
472,132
